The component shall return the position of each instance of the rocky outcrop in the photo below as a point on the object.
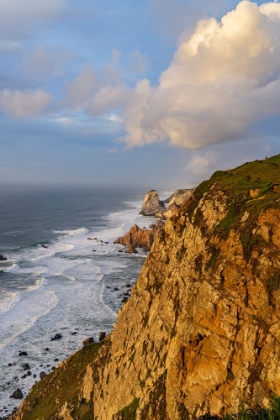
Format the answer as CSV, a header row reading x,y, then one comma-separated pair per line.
x,y
2,258
152,204
139,238
200,332
179,197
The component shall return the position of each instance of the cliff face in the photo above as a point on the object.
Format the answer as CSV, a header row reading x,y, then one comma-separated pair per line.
x,y
201,331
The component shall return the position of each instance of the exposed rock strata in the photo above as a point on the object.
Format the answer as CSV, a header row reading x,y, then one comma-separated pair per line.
x,y
201,330
152,204
179,197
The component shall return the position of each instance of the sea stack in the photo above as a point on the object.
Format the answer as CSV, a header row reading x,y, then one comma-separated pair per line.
x,y
152,204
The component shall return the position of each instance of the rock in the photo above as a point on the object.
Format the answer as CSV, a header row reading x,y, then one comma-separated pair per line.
x,y
171,211
2,258
42,375
73,333
120,250
56,337
101,336
44,246
131,250
139,238
25,366
29,373
152,204
22,353
179,197
88,341
18,395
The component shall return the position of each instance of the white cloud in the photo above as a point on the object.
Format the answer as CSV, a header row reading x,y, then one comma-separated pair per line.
x,y
200,164
113,151
18,16
23,103
222,80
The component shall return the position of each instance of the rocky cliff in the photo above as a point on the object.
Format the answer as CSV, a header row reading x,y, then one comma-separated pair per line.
x,y
201,330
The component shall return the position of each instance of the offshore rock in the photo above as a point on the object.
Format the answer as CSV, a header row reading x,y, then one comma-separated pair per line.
x,y
152,204
139,238
18,395
2,258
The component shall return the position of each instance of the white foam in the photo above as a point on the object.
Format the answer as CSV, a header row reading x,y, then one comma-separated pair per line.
x,y
26,312
7,300
7,266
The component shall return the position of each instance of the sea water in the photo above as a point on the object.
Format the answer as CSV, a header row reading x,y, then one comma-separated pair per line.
x,y
63,274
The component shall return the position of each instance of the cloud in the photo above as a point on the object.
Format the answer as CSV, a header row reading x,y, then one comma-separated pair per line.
x,y
172,17
200,164
43,63
138,62
222,81
18,16
23,103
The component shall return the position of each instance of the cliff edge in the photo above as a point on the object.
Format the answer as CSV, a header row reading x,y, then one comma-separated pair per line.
x,y
201,330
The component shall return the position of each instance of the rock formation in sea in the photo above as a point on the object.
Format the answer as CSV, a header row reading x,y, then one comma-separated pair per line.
x,y
140,238
152,204
201,331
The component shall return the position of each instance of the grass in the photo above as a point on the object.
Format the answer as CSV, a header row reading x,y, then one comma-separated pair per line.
x,y
128,412
272,413
47,397
236,185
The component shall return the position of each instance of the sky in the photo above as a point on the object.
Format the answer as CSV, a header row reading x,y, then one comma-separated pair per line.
x,y
157,93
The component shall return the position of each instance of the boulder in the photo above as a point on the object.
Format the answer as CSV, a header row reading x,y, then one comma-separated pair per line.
x,y
88,341
17,395
25,366
101,336
56,337
2,258
152,204
42,375
22,353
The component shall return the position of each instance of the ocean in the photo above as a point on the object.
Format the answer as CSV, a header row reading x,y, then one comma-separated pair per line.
x,y
63,274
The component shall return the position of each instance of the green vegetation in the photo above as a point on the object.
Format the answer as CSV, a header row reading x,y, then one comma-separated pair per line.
x,y
272,413
246,190
47,397
156,408
128,412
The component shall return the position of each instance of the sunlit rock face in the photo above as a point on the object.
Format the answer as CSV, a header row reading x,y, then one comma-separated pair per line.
x,y
201,331
152,204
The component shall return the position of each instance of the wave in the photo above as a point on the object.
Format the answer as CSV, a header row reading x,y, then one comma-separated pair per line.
x,y
7,300
26,316
7,266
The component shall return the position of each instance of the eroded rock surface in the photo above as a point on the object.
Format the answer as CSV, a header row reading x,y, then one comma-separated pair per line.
x,y
152,204
139,238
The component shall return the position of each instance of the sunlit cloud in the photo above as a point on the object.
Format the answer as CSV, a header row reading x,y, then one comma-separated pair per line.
x,y
23,103
222,81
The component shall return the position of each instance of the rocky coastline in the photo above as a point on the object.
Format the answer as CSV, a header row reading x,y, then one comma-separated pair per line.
x,y
199,336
